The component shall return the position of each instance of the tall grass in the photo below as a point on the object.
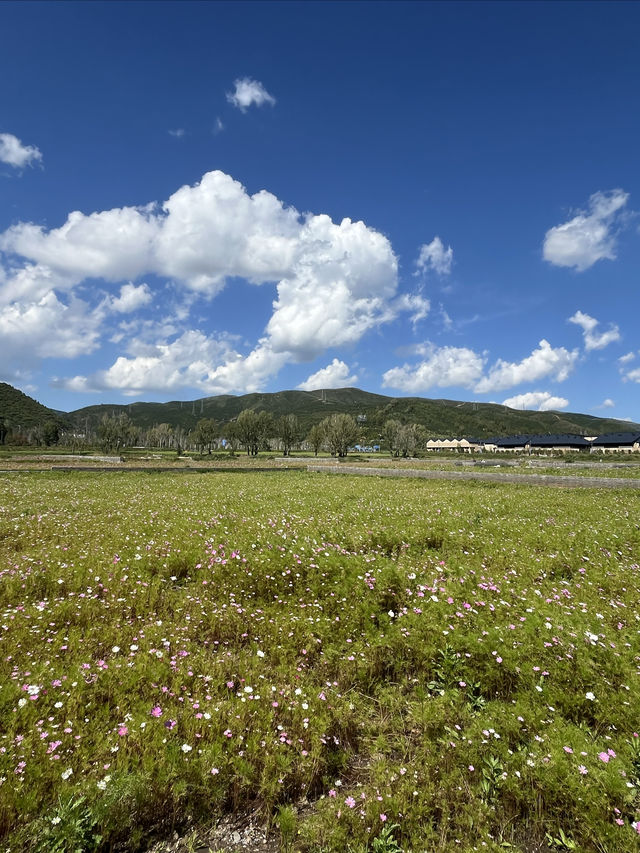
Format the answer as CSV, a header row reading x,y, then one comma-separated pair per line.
x,y
373,664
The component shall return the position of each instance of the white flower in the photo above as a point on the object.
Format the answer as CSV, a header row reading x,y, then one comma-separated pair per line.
x,y
589,696
248,689
391,613
33,689
66,773
186,748
22,702
55,820
260,653
58,705
115,649
133,647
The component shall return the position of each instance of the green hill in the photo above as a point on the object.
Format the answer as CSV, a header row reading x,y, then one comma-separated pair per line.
x,y
21,412
440,417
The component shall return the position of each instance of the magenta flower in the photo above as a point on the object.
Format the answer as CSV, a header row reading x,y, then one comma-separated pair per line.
x,y
156,711
123,730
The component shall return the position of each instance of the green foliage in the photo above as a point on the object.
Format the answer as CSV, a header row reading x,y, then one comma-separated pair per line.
x,y
366,664
385,842
68,828
340,432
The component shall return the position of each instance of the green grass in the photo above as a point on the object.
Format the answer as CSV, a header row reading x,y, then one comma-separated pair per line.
x,y
373,664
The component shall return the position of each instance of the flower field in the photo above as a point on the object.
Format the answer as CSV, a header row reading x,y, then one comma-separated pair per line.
x,y
375,665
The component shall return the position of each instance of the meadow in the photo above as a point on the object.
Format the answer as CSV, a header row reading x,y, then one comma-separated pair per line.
x,y
372,664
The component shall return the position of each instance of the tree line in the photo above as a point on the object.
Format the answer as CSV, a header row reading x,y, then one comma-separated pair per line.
x,y
251,432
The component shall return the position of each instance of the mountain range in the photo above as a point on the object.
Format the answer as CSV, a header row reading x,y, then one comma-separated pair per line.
x,y
439,417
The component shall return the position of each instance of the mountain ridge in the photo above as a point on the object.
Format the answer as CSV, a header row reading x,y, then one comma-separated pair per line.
x,y
441,417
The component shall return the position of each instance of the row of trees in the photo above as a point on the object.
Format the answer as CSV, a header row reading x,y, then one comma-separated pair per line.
x,y
251,431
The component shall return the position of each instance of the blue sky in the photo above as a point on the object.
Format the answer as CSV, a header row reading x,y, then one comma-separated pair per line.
x,y
433,199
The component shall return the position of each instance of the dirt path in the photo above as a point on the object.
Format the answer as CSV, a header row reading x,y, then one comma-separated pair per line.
x,y
502,477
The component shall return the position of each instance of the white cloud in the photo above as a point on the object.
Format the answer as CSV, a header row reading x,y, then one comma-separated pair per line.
x,y
544,361
590,236
15,154
458,366
178,133
334,282
443,367
113,244
340,286
192,360
593,340
416,304
628,374
540,401
434,256
607,404
131,298
215,230
47,328
248,92
334,375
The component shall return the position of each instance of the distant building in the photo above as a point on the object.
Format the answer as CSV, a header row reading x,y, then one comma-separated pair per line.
x,y
620,442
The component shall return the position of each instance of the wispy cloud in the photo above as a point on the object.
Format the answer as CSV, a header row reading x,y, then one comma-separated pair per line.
x,y
14,153
593,339
590,236
434,256
248,93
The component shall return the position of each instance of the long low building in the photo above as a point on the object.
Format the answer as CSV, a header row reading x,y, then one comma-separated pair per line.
x,y
620,442
617,442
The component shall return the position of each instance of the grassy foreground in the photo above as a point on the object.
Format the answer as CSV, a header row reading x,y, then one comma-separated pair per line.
x,y
378,665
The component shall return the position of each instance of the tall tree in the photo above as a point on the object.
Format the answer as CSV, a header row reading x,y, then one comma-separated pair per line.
x,y
341,432
247,430
205,434
288,431
316,437
391,434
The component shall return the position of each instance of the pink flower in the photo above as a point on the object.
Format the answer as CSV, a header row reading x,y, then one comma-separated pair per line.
x,y
350,802
568,749
383,817
333,793
604,756
229,733
123,730
156,711
582,770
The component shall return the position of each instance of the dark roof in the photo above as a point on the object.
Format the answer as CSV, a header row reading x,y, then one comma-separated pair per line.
x,y
559,440
616,439
513,441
